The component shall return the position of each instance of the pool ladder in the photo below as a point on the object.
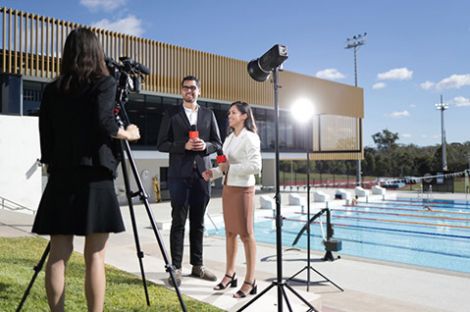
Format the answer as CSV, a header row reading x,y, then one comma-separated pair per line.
x,y
424,195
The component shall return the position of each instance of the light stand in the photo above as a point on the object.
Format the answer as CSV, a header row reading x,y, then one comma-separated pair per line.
x,y
303,112
330,245
259,70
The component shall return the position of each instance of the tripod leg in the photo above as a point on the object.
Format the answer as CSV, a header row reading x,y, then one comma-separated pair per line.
x,y
286,299
140,254
327,279
37,269
144,198
257,297
300,297
293,276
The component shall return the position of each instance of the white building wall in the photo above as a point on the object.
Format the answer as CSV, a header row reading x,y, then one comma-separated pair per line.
x,y
20,175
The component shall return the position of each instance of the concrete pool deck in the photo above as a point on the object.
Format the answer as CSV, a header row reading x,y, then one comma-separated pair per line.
x,y
369,285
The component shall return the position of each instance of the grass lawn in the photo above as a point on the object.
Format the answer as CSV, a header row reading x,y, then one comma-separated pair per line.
x,y
124,291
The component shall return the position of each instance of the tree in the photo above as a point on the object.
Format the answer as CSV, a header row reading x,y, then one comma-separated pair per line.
x,y
385,140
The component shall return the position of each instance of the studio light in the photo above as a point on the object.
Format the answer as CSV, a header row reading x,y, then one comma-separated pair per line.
x,y
260,68
302,110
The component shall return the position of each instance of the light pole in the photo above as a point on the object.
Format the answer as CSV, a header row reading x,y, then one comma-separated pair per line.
x,y
442,107
354,43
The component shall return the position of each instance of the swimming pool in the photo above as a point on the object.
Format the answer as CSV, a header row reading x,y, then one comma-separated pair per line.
x,y
433,234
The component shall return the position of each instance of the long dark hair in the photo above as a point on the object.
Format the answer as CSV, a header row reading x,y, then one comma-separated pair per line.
x,y
82,60
244,108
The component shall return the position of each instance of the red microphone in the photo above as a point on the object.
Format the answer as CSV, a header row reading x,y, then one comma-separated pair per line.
x,y
193,133
221,158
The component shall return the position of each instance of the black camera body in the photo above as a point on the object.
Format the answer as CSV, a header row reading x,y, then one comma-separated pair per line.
x,y
127,72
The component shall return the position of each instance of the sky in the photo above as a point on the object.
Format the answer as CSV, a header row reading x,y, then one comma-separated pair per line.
x,y
415,51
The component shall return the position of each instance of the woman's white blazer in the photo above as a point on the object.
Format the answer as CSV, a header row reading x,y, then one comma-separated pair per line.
x,y
244,156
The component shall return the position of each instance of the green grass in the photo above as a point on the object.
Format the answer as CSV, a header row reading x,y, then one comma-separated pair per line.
x,y
124,291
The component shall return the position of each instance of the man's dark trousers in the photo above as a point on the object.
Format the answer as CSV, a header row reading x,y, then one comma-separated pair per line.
x,y
191,195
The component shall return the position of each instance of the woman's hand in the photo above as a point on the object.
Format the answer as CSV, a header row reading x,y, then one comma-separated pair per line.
x,y
132,132
207,175
224,166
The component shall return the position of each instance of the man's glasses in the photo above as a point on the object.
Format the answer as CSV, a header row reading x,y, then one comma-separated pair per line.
x,y
187,88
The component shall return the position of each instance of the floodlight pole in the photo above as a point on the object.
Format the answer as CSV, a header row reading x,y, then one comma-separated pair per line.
x,y
354,43
442,107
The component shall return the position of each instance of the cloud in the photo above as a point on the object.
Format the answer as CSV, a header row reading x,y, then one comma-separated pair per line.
x,y
454,82
330,73
379,85
461,101
405,135
104,5
402,114
396,74
427,85
128,25
412,105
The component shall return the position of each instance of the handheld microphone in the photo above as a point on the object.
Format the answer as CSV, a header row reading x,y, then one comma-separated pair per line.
x,y
221,158
193,133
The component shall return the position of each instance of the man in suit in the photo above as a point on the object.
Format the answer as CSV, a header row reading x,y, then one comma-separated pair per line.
x,y
189,157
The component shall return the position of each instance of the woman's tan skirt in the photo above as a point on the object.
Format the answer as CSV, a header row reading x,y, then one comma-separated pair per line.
x,y
238,206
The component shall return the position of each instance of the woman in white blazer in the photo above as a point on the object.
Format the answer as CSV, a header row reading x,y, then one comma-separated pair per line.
x,y
243,160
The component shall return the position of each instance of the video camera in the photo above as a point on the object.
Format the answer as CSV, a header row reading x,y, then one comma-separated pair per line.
x,y
127,72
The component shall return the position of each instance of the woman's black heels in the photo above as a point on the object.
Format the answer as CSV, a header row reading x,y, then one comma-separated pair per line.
x,y
233,282
253,291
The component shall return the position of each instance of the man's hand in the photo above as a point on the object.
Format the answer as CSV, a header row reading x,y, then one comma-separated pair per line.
x,y
197,145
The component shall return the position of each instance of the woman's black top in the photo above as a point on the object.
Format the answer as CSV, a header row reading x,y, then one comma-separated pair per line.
x,y
76,129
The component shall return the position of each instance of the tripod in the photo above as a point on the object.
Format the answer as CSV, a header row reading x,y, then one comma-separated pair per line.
x,y
129,69
279,283
328,254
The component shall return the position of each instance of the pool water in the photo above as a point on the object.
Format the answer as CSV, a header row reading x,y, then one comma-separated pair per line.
x,y
433,234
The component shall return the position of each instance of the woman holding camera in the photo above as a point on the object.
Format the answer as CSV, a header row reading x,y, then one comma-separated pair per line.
x,y
77,129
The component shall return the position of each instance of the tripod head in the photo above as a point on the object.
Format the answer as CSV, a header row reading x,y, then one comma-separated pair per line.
x,y
129,75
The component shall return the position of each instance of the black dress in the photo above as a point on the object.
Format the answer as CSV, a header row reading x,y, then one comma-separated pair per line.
x,y
76,143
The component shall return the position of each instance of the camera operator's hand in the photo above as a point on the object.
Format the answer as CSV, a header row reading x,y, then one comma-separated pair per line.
x,y
131,133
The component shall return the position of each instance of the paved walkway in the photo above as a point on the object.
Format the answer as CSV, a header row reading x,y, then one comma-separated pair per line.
x,y
369,285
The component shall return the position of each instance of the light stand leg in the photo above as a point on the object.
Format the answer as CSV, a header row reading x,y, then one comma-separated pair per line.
x,y
279,283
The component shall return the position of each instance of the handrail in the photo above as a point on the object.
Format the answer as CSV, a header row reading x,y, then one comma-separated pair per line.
x,y
13,206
